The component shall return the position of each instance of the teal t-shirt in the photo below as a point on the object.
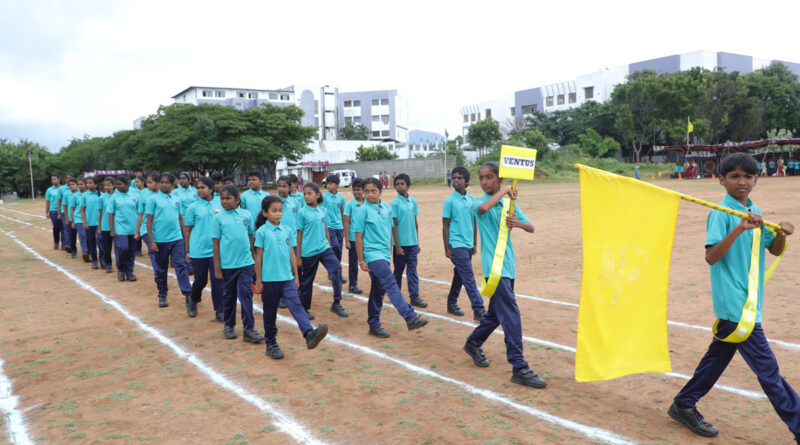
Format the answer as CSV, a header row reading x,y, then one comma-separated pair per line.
x,y
92,205
166,210
311,220
488,226
186,196
74,208
123,207
301,201
64,193
350,210
375,222
334,204
104,206
51,196
276,263
730,275
141,206
251,201
233,229
199,216
405,211
460,210
289,218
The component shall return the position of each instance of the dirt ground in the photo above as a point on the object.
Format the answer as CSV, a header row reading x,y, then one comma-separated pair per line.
x,y
86,374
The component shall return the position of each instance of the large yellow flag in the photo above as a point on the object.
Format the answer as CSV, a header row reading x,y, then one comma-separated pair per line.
x,y
628,227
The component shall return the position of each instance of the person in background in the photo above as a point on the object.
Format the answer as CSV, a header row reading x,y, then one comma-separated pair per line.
x,y
51,197
349,210
406,249
334,204
197,233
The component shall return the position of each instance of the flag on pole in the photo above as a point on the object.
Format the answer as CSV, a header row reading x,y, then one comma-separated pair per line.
x,y
690,127
628,227
446,134
29,154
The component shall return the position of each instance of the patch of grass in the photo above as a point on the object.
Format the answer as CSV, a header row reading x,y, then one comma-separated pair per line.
x,y
119,396
238,439
368,384
77,435
407,424
327,429
268,429
68,405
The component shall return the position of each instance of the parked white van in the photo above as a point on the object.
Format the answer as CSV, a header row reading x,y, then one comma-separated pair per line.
x,y
345,177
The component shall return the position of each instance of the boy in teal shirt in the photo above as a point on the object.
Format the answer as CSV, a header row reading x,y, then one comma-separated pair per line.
x,y
334,207
405,212
77,220
51,197
252,197
63,197
729,245
72,231
349,211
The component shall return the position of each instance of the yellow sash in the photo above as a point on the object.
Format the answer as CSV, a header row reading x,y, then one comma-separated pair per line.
x,y
489,286
748,319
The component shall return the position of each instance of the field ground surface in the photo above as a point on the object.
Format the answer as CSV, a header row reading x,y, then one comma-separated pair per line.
x,y
93,360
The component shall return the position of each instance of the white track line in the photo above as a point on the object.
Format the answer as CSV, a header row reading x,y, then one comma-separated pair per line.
x,y
732,389
17,431
282,421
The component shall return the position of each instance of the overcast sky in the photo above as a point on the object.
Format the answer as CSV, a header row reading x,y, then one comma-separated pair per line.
x,y
69,68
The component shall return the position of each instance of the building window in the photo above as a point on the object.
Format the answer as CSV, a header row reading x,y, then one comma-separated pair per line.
x,y
530,109
488,113
588,92
375,102
385,118
479,116
208,93
348,104
284,97
219,93
240,94
357,119
573,98
356,103
384,101
376,134
512,111
385,133
316,107
316,121
375,118
252,95
548,101
560,99
273,96
472,117
348,119
466,118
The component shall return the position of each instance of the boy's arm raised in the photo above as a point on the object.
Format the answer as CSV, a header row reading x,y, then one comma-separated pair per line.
x,y
779,243
717,251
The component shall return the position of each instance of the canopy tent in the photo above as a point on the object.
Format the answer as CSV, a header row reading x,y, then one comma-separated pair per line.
x,y
727,147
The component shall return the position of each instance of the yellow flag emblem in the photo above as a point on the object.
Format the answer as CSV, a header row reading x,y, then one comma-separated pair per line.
x,y
628,227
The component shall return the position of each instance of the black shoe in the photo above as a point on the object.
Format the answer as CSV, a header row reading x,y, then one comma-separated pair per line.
x,y
310,315
416,323
274,352
218,317
121,276
337,309
418,302
478,357
94,265
130,277
314,336
109,268
282,304
252,337
86,258
477,315
55,246
344,281
455,310
527,377
162,301
74,254
378,332
693,420
102,264
229,332
139,253
191,307
191,272
355,290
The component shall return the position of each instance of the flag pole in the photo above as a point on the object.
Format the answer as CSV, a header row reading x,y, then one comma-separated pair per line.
x,y
30,168
513,201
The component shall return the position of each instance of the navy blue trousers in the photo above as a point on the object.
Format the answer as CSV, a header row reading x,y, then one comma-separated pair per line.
x,y
352,264
408,263
383,282
56,227
73,236
105,247
758,355
82,237
64,230
175,250
124,253
91,241
463,276
309,272
337,238
202,267
272,293
238,283
503,311
151,253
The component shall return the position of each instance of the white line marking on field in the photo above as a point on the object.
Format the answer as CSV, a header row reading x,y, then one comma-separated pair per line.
x,y
17,431
282,421
24,213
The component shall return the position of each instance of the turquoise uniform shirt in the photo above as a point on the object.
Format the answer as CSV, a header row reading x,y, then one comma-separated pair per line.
x,y
251,201
460,210
141,206
75,204
730,275
375,222
123,207
166,210
488,227
311,220
233,229
64,193
186,196
350,210
289,218
301,200
51,195
133,191
104,206
334,204
276,263
199,216
92,205
405,210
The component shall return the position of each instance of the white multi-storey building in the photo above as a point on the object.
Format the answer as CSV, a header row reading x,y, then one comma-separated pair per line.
x,y
499,110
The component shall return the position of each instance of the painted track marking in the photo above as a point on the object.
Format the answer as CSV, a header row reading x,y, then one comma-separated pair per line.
x,y
17,430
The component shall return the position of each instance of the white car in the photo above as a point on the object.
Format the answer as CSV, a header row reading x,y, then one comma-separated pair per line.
x,y
345,177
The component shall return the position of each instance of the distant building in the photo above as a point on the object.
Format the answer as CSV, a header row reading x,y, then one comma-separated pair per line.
x,y
499,110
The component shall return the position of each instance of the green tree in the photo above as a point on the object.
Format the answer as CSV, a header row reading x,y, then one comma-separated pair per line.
x,y
14,170
731,112
778,91
376,153
483,134
597,146
353,132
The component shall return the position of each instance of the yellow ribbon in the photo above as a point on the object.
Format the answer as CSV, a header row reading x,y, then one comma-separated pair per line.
x,y
489,286
748,319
